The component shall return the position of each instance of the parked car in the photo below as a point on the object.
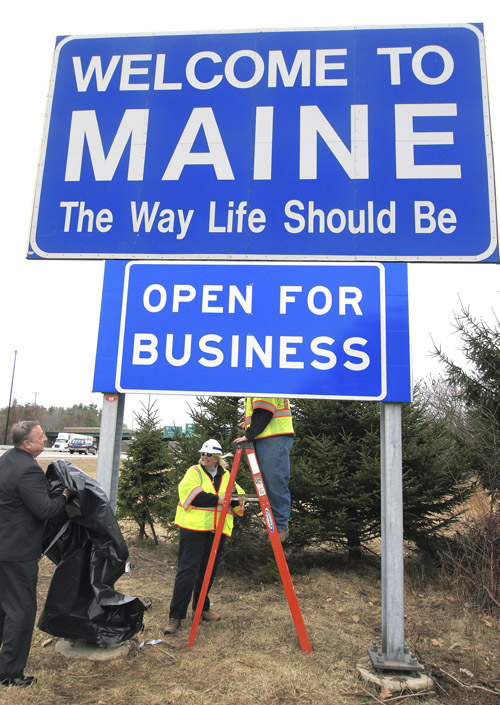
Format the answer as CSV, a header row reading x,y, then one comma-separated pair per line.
x,y
60,444
79,445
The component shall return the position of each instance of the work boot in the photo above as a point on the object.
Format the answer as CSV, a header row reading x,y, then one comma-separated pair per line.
x,y
282,535
207,616
173,626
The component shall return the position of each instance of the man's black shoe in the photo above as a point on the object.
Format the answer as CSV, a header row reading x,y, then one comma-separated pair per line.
x,y
19,681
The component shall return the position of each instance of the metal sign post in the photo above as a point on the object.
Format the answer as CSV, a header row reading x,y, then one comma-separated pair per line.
x,y
108,463
394,654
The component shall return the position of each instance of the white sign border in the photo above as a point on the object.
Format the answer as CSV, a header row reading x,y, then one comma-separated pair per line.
x,y
493,247
260,392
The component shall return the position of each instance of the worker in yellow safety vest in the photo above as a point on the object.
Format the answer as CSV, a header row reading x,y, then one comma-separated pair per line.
x,y
201,495
268,424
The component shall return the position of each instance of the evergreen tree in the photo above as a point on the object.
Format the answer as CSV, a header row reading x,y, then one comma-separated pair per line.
x,y
437,474
478,388
219,418
473,554
335,480
145,476
335,477
479,385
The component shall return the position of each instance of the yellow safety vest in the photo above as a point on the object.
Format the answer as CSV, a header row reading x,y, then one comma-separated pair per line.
x,y
187,516
280,425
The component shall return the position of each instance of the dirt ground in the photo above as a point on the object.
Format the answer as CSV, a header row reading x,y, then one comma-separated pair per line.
x,y
253,656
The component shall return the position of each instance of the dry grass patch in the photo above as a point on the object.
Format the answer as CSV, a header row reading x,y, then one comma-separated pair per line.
x,y
252,656
87,463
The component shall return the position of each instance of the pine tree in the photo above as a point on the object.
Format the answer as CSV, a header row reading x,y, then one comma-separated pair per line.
x,y
146,476
335,477
437,474
335,481
219,418
472,558
478,388
479,384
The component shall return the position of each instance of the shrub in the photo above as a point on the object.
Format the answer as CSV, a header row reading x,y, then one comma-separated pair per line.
x,y
471,560
145,478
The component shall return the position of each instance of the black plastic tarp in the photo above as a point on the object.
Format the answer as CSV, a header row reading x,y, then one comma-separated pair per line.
x,y
90,553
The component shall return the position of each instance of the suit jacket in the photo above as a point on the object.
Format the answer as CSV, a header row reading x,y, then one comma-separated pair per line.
x,y
25,505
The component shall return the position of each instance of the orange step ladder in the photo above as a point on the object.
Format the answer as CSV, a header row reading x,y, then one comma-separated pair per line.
x,y
275,543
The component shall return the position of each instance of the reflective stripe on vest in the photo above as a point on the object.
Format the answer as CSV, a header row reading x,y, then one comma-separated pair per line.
x,y
280,425
203,518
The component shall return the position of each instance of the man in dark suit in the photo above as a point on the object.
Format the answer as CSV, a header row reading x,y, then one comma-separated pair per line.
x,y
25,505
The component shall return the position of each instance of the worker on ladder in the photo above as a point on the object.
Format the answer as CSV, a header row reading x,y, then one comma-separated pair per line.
x,y
201,495
269,425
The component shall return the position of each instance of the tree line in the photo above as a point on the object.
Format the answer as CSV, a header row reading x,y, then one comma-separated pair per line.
x,y
52,418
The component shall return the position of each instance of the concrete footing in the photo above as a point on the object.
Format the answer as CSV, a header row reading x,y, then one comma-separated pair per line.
x,y
79,649
390,683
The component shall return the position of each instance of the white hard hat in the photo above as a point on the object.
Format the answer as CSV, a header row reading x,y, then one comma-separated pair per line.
x,y
211,446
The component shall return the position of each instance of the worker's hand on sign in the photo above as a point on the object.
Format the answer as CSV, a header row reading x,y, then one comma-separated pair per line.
x,y
221,498
241,439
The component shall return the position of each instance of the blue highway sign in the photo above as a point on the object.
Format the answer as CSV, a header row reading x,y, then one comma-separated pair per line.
x,y
333,330
332,144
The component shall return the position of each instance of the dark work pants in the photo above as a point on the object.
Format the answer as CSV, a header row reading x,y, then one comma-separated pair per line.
x,y
194,552
17,614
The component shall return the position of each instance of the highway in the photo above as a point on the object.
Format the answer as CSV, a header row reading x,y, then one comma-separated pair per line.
x,y
50,453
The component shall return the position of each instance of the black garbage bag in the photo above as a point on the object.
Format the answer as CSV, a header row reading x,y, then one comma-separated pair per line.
x,y
90,553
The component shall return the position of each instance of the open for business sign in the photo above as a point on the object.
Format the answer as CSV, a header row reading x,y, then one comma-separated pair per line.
x,y
337,330
331,144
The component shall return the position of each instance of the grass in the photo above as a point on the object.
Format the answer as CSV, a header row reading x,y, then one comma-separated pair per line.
x,y
252,655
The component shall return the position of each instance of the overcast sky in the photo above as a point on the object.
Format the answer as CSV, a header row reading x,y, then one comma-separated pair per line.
x,y
49,311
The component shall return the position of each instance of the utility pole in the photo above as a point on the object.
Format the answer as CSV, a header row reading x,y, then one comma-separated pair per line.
x,y
10,399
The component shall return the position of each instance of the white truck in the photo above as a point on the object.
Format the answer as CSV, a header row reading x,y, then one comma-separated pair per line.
x,y
63,440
